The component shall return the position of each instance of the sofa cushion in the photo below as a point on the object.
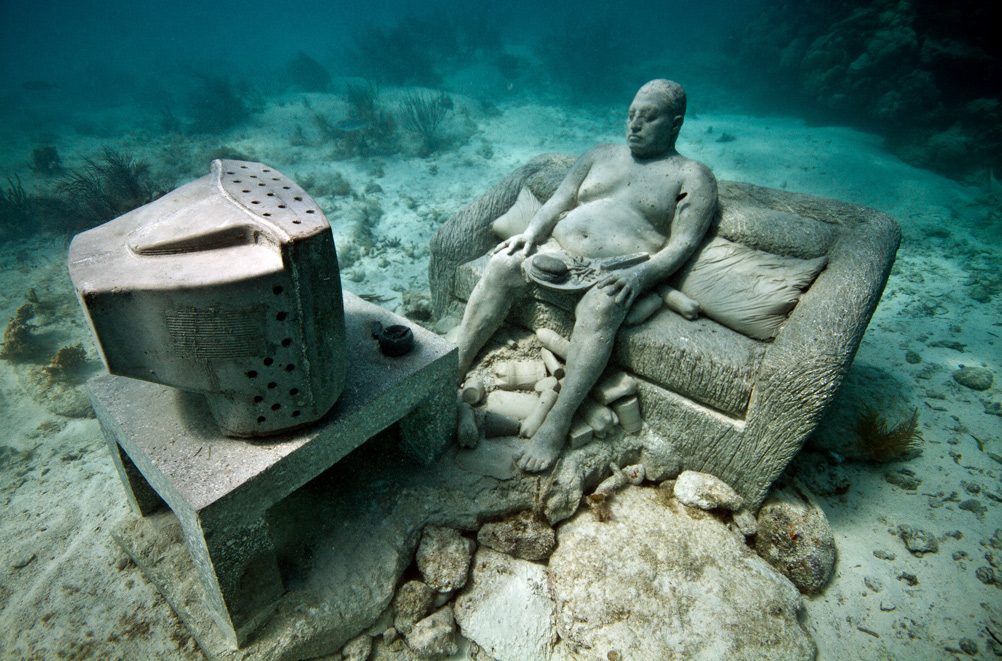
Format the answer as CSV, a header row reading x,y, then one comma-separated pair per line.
x,y
516,219
748,290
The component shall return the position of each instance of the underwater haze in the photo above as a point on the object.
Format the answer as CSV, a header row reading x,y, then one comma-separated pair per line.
x,y
394,116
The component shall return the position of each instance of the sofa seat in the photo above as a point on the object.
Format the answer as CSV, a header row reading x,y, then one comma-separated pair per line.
x,y
701,359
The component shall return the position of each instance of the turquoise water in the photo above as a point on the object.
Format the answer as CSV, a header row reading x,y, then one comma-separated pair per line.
x,y
173,86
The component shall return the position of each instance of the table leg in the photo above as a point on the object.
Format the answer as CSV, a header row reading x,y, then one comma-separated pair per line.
x,y
426,431
239,569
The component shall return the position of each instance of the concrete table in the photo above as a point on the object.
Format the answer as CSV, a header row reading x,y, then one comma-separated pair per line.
x,y
168,449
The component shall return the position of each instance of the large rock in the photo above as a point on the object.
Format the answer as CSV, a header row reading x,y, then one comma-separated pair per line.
x,y
444,558
412,603
367,515
506,608
794,537
524,535
658,581
434,636
705,491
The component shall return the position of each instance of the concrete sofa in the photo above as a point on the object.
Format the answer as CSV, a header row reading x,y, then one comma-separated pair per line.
x,y
730,404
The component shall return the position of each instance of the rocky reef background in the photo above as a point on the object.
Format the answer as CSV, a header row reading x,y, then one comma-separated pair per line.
x,y
925,74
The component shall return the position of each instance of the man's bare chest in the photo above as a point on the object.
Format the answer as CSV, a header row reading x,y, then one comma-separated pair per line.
x,y
648,189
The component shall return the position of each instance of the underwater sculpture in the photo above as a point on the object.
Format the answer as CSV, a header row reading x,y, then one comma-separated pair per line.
x,y
227,286
784,285
644,202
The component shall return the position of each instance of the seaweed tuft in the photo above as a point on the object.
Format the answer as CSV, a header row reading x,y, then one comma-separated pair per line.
x,y
880,442
108,187
15,205
422,115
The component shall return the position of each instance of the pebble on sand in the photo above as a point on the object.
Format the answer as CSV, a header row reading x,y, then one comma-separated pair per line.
x,y
975,378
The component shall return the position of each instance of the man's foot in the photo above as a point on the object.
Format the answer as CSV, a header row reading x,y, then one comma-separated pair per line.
x,y
541,450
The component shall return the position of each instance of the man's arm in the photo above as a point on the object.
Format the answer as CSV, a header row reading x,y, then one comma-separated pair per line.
x,y
693,216
563,200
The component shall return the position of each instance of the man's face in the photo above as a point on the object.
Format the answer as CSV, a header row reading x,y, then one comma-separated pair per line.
x,y
650,128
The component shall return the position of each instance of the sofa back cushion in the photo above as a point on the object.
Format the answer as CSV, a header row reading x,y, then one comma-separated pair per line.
x,y
750,291
516,219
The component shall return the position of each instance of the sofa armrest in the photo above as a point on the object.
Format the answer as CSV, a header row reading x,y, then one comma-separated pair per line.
x,y
807,362
467,234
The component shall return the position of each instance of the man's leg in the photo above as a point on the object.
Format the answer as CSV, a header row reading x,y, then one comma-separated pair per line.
x,y
597,318
488,306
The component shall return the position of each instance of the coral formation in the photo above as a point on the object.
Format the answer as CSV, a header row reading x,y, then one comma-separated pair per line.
x,y
307,74
17,343
394,55
46,161
879,442
794,536
67,360
216,106
368,129
924,73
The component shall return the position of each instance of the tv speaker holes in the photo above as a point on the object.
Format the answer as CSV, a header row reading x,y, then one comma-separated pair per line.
x,y
277,289
261,419
290,368
276,406
294,392
268,361
286,341
296,413
258,399
272,385
251,374
281,316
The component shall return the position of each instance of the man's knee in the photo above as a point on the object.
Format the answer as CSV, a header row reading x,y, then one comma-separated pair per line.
x,y
600,311
506,270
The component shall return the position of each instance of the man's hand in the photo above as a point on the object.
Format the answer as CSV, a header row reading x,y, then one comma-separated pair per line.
x,y
625,285
525,242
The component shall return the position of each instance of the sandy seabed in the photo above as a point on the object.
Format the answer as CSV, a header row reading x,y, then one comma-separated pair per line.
x,y
68,591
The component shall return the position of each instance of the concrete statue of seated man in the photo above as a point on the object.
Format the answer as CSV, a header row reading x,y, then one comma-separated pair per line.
x,y
643,199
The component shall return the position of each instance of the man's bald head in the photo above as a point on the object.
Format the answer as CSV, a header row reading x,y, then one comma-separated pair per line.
x,y
655,118
667,93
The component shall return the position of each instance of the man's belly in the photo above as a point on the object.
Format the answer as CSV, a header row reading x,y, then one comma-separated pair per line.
x,y
606,230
